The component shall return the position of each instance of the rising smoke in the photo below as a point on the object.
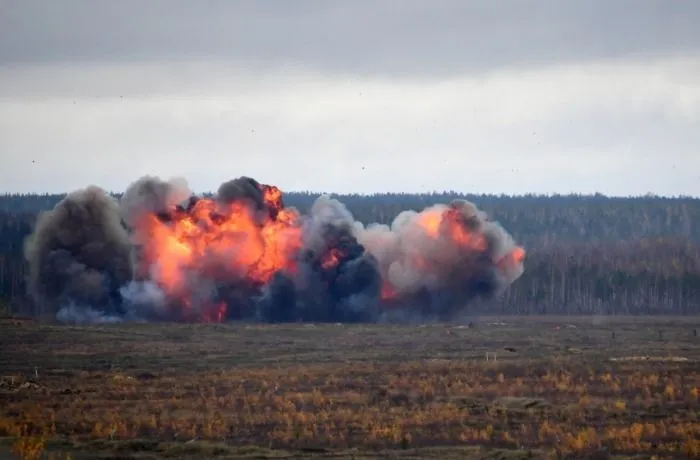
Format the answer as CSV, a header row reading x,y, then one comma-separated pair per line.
x,y
80,255
161,253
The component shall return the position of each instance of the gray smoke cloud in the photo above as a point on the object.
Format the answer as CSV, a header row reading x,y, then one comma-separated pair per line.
x,y
87,266
412,259
240,189
437,273
337,280
252,193
151,195
75,314
79,254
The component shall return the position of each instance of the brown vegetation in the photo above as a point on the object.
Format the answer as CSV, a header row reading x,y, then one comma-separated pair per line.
x,y
171,390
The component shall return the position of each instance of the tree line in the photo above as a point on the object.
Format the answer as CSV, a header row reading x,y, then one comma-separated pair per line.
x,y
587,254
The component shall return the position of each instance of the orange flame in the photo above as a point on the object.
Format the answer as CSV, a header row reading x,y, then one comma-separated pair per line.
x,y
273,198
447,226
430,222
446,223
222,239
518,255
331,258
216,315
212,236
460,234
515,257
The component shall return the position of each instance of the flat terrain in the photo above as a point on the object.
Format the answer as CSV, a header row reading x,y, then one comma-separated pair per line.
x,y
559,387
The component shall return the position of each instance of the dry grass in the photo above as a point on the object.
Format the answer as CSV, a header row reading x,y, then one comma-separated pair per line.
x,y
351,391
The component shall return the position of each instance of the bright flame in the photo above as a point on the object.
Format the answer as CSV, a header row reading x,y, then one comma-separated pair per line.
x,y
515,257
212,238
446,223
219,241
460,235
519,255
447,228
430,222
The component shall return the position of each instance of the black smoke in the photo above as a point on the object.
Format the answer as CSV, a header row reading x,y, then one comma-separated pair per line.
x,y
79,255
337,281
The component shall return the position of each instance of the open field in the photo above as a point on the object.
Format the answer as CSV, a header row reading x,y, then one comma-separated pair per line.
x,y
560,386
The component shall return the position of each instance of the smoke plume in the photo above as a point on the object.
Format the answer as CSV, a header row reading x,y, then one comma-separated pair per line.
x,y
162,253
79,254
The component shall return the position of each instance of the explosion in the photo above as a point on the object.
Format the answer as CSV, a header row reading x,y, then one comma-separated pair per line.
x,y
161,253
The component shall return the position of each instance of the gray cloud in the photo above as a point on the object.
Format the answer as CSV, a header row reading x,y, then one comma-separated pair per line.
x,y
352,96
615,127
416,37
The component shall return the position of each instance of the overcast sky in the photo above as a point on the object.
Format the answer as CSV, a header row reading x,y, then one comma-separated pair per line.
x,y
353,95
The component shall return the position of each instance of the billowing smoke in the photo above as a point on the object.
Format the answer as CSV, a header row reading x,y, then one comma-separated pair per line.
x,y
162,253
79,255
336,280
440,259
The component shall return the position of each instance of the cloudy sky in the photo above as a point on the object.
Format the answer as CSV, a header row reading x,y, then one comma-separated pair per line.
x,y
353,95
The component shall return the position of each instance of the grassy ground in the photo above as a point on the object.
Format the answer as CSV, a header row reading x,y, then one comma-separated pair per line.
x,y
607,387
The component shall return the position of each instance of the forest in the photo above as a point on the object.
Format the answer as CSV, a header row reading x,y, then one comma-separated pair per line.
x,y
587,254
